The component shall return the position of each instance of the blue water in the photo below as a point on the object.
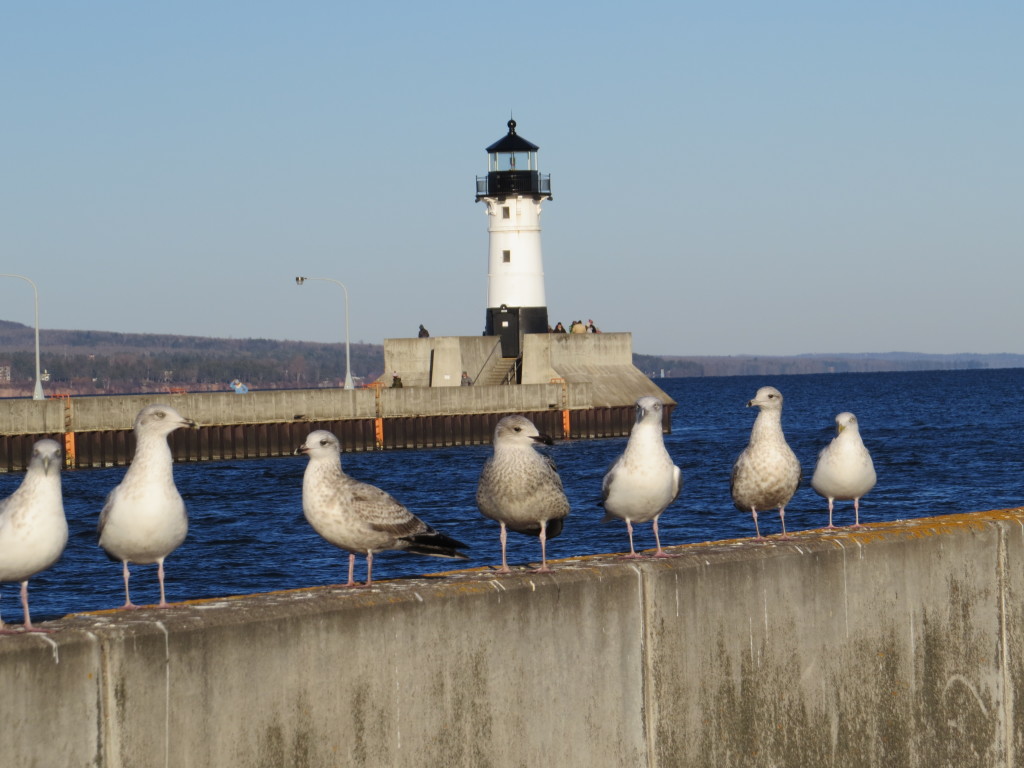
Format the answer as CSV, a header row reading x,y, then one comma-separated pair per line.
x,y
942,442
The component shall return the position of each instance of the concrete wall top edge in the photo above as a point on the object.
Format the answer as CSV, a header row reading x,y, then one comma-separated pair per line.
x,y
202,615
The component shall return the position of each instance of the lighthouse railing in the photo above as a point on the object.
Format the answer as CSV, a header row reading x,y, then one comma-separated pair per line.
x,y
504,183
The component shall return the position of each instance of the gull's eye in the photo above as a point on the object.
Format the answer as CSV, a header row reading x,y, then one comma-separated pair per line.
x,y
160,414
518,429
324,441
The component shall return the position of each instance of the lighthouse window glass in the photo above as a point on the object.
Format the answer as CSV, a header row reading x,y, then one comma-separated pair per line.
x,y
506,256
506,213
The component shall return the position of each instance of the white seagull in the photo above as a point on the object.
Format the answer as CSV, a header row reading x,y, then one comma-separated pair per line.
x,y
358,517
33,529
845,470
520,488
767,473
144,518
643,481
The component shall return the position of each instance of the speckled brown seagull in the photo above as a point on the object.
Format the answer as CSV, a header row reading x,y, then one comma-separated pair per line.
x,y
520,488
767,473
358,517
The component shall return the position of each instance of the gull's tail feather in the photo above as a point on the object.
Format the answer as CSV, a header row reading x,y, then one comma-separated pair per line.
x,y
435,544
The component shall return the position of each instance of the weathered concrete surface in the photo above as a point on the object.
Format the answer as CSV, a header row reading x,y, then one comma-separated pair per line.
x,y
84,414
603,360
896,645
269,406
437,361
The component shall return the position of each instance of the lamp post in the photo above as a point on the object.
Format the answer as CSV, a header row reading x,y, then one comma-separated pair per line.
x,y
38,393
348,360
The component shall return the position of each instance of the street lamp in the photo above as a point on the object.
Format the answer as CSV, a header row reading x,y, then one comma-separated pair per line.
x,y
38,393
348,360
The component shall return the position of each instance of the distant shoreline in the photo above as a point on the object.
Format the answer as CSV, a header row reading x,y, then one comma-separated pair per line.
x,y
104,362
768,365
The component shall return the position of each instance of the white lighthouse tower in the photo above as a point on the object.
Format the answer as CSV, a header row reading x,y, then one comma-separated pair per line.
x,y
513,190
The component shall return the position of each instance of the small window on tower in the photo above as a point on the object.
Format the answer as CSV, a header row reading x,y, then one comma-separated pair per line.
x,y
506,256
506,213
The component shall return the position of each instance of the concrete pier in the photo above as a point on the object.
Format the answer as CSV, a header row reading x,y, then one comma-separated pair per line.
x,y
899,644
573,386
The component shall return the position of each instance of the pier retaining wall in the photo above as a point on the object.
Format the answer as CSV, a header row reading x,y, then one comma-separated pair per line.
x,y
896,645
573,386
96,431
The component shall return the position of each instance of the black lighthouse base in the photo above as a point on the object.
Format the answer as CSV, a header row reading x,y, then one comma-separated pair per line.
x,y
511,322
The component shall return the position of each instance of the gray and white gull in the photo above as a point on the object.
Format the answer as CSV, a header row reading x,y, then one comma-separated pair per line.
x,y
643,481
144,518
359,517
767,473
520,488
844,470
33,529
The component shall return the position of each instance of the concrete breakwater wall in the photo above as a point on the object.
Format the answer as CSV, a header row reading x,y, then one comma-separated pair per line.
x,y
573,386
900,644
97,432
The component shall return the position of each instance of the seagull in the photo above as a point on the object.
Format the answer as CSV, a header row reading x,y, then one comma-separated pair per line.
x,y
767,473
845,470
144,518
520,488
643,481
359,517
33,529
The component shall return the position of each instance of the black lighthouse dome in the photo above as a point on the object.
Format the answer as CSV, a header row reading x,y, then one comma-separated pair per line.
x,y
512,169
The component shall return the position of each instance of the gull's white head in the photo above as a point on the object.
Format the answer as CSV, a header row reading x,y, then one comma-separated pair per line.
x,y
649,408
518,430
320,444
846,421
46,455
160,420
767,399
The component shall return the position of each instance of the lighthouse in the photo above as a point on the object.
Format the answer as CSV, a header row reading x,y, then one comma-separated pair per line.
x,y
513,190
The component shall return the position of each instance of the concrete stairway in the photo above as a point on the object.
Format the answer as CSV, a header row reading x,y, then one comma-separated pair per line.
x,y
499,373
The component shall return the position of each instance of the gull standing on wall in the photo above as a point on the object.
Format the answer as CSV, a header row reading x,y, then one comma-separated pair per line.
x,y
144,518
33,529
767,473
643,481
359,517
520,488
845,470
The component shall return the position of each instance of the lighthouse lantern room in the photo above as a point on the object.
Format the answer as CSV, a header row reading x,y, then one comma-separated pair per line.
x,y
513,190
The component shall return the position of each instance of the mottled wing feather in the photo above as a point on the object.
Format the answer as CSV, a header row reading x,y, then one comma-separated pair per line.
x,y
732,476
383,513
404,530
105,512
609,478
677,481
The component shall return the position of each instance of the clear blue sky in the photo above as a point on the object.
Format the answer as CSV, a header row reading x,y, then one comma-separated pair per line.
x,y
747,177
